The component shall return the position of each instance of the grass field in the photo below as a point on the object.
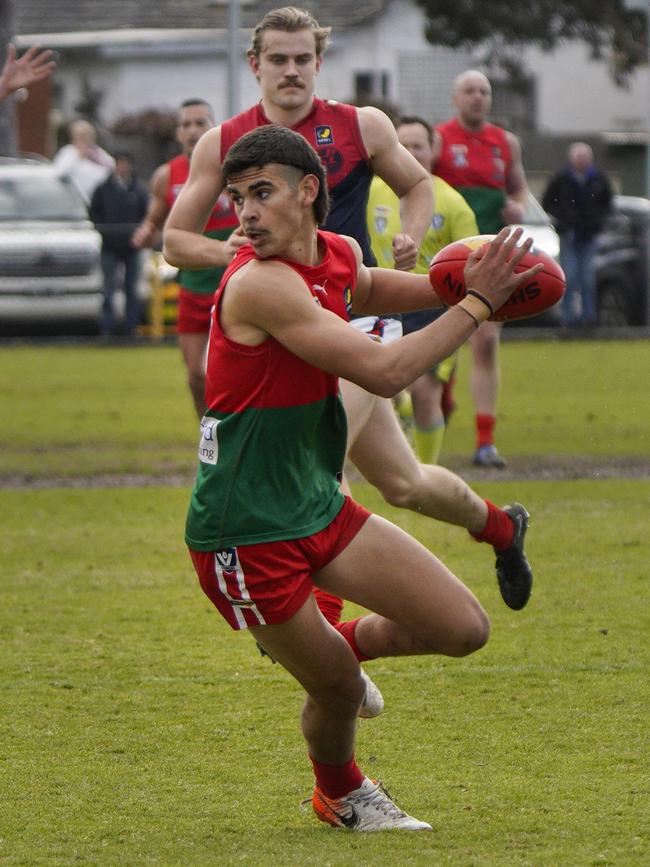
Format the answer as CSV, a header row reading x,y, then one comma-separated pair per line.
x,y
137,729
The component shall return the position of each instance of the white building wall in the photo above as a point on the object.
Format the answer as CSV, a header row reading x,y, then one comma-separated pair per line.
x,y
575,94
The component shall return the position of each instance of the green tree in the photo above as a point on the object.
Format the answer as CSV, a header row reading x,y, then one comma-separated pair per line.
x,y
610,27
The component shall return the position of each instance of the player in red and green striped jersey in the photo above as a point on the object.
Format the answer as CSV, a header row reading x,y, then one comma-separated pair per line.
x,y
267,519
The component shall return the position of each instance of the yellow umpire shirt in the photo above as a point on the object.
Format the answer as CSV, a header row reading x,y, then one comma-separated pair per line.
x,y
453,219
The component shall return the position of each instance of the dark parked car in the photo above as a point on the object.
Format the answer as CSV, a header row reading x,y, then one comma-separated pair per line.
x,y
622,263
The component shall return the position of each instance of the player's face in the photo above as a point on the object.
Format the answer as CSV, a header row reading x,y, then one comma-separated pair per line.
x,y
193,121
286,68
414,137
273,207
473,98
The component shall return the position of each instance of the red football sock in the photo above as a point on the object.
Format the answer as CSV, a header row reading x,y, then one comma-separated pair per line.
x,y
347,631
337,780
330,606
499,529
485,429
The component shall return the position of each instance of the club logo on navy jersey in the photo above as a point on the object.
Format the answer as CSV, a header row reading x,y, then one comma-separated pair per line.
x,y
324,135
331,159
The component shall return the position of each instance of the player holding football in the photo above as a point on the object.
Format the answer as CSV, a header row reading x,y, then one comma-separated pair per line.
x,y
483,162
267,515
197,287
285,56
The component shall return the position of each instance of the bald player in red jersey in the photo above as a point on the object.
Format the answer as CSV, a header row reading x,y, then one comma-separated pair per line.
x,y
483,162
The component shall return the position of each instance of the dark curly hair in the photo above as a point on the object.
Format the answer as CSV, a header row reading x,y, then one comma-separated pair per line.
x,y
272,143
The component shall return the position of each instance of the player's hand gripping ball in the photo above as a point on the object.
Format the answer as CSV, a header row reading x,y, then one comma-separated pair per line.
x,y
542,291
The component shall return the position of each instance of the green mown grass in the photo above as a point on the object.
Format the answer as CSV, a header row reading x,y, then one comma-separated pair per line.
x,y
79,410
139,730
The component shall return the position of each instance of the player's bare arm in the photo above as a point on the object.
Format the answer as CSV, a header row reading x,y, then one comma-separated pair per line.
x,y
185,246
405,176
147,232
285,310
516,184
381,289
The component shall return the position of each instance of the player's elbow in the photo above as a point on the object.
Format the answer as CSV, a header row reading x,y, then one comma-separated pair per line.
x,y
387,381
170,250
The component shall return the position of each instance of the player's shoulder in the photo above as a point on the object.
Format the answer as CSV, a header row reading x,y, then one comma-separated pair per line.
x,y
353,245
270,271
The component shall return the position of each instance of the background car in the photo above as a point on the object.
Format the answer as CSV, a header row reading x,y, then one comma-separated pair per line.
x,y
622,263
49,250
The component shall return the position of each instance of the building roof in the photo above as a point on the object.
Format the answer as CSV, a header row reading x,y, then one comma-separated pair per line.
x,y
42,17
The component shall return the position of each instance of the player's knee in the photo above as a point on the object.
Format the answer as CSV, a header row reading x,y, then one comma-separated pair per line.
x,y
474,632
486,350
342,696
399,491
468,633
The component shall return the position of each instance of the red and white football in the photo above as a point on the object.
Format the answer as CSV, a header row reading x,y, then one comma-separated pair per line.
x,y
545,289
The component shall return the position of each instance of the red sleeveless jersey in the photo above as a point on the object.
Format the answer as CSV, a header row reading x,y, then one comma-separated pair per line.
x,y
332,129
222,217
332,283
274,434
473,159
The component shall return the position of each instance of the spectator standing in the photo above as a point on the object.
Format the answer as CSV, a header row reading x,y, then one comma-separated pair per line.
x,y
83,160
483,162
579,198
117,207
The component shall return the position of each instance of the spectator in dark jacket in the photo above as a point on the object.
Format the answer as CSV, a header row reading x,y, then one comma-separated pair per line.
x,y
579,198
117,208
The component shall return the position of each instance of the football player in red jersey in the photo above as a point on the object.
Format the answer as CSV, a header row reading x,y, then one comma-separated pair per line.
x,y
285,56
483,162
267,518
197,286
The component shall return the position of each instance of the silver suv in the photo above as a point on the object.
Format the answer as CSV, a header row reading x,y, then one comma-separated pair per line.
x,y
49,250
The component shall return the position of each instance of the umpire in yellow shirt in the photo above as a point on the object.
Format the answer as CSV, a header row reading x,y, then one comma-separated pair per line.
x,y
453,219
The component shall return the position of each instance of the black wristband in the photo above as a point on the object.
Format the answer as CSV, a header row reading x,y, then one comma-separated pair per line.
x,y
481,298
